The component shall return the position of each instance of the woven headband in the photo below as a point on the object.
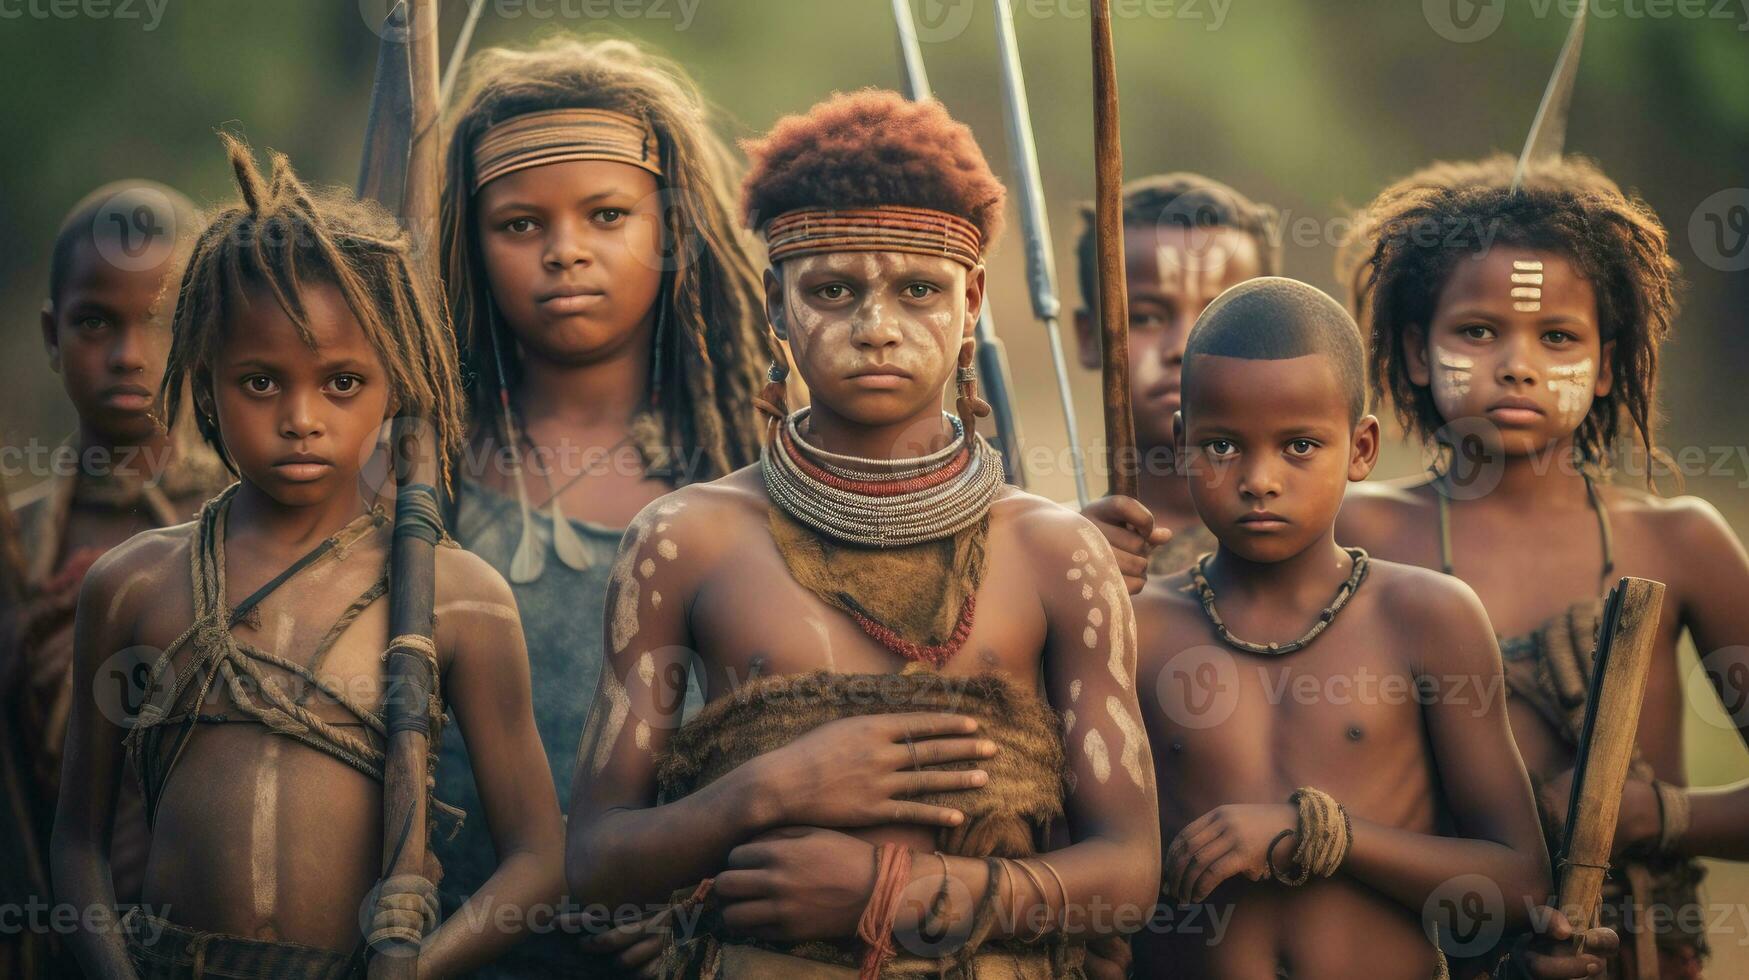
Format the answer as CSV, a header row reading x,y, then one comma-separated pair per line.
x,y
883,228
563,136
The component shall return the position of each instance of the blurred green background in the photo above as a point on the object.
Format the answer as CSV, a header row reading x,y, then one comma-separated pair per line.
x,y
1310,105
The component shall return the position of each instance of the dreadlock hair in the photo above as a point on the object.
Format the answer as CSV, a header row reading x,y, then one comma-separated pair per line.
x,y
858,149
283,237
711,306
1408,240
1182,200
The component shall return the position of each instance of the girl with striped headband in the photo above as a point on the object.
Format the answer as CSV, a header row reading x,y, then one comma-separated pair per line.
x,y
607,310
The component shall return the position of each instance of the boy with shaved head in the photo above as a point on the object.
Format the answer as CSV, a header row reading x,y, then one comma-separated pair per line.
x,y
105,331
1327,728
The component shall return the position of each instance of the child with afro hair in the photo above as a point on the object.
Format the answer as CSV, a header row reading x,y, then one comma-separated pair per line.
x,y
884,631
1516,331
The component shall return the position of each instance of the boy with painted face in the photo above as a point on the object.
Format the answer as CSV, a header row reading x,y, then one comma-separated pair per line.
x,y
884,631
1518,359
1329,766
1187,239
107,333
302,325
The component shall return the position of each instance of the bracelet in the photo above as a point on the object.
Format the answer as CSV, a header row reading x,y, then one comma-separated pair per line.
x,y
1325,833
1673,814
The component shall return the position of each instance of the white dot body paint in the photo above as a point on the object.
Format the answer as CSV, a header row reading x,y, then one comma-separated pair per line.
x,y
1074,690
1068,721
1452,374
1130,755
1079,557
1573,386
642,735
1097,755
646,668
1074,574
619,704
667,549
655,599
1116,610
625,611
647,567
1090,636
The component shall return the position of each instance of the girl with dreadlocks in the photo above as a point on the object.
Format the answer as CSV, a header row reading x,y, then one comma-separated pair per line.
x,y
302,324
1517,329
608,311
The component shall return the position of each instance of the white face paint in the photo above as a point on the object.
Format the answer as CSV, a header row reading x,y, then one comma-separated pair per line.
x,y
1451,376
1527,285
1573,385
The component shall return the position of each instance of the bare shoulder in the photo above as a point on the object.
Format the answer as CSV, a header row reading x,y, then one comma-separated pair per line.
x,y
1436,615
464,576
698,512
1045,532
1378,511
1169,616
143,569
1681,523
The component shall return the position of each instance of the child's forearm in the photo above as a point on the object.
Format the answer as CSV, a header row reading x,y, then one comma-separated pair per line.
x,y
1718,824
1106,891
82,881
522,892
1409,867
642,856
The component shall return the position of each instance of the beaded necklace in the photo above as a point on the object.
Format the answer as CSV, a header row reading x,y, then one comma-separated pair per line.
x,y
1206,592
882,503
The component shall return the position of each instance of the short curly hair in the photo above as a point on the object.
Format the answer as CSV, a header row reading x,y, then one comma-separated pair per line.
x,y
1397,266
867,148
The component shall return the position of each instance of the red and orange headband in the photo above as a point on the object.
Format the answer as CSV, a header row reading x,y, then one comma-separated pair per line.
x,y
878,228
562,136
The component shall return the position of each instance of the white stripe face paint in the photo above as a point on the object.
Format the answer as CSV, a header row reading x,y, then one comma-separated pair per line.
x,y
1527,285
1573,386
1452,373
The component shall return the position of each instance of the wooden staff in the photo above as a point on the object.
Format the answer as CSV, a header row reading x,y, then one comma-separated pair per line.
x,y
407,86
1606,745
1121,464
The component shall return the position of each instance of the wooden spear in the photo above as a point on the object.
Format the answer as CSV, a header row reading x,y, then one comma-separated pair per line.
x,y
1606,745
407,86
1121,465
